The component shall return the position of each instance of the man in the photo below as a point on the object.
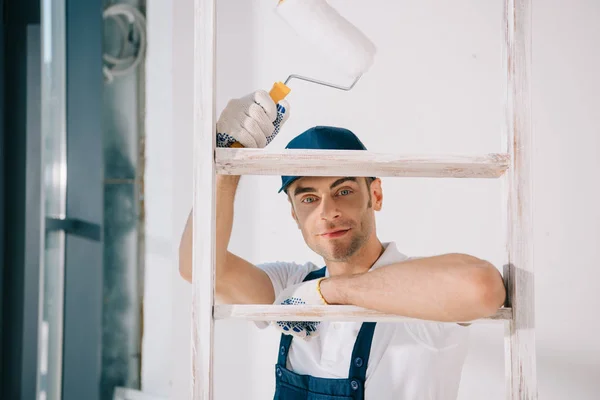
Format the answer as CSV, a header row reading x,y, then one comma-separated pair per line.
x,y
336,215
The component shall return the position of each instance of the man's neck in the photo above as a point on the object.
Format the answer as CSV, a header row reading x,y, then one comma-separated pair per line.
x,y
360,262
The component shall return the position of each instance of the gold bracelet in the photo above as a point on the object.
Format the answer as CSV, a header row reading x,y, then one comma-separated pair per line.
x,y
319,290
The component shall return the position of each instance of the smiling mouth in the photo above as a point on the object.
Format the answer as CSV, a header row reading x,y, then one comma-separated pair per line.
x,y
335,234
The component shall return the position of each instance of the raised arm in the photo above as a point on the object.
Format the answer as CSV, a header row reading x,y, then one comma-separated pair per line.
x,y
236,280
249,121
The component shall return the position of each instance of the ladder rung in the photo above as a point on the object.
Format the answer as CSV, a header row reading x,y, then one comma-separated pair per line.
x,y
357,163
258,312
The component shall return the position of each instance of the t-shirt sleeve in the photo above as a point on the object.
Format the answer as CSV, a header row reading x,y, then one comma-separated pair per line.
x,y
284,274
438,336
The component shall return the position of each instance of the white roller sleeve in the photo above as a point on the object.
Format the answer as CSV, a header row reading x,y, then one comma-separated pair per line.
x,y
323,27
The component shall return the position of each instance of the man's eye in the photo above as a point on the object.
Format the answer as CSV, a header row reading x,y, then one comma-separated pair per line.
x,y
345,192
308,199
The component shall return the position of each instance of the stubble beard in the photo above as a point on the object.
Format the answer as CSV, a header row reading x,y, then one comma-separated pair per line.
x,y
342,251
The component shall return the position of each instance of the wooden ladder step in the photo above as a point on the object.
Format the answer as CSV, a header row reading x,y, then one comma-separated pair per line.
x,y
357,163
261,312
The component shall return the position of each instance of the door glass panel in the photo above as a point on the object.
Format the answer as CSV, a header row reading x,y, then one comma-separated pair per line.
x,y
54,172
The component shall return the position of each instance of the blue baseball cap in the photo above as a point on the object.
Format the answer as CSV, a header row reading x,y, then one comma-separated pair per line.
x,y
322,138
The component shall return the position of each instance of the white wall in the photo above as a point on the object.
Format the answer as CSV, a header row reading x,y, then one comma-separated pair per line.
x,y
436,86
164,304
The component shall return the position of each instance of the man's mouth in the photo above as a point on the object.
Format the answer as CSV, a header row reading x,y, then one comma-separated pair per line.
x,y
335,233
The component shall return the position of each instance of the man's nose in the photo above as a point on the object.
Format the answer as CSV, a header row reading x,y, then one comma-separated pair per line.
x,y
329,209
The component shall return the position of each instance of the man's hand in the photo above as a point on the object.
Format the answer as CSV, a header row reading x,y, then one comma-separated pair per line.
x,y
253,120
306,293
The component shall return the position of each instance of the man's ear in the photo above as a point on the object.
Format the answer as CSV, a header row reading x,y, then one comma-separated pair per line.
x,y
377,194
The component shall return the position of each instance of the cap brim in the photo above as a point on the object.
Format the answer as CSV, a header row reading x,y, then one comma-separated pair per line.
x,y
288,183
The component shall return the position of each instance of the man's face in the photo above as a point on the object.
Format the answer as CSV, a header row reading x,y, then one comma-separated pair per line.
x,y
335,214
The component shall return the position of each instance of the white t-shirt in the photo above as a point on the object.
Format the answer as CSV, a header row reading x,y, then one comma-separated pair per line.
x,y
409,360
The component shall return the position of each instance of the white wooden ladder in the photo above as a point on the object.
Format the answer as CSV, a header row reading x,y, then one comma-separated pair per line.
x,y
513,166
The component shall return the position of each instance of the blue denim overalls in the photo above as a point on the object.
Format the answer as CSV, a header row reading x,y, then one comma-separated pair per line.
x,y
291,386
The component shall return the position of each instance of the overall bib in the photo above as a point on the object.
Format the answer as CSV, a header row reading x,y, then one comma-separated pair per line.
x,y
292,386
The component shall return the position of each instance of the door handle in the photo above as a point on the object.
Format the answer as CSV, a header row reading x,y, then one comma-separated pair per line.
x,y
74,226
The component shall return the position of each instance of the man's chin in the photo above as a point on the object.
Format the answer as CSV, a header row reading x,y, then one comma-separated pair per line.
x,y
337,252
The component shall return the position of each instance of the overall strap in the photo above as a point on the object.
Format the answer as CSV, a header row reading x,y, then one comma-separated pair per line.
x,y
362,351
286,340
316,274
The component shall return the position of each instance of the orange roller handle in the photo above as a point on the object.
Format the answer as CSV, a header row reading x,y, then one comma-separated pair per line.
x,y
278,92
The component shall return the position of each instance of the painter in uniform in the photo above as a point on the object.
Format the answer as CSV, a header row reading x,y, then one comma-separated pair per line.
x,y
336,215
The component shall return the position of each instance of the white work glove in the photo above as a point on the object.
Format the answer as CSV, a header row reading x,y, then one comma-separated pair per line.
x,y
305,293
253,120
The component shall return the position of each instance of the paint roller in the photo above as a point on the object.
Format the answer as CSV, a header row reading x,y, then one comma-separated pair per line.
x,y
325,29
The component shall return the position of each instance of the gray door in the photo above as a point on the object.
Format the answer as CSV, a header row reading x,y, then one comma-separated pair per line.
x,y
71,274
51,142
20,187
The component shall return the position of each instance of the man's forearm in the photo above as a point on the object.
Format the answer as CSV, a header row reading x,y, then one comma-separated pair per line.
x,y
452,287
226,186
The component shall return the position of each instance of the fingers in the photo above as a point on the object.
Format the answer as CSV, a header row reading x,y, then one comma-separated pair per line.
x,y
263,121
253,128
301,329
246,138
253,120
264,100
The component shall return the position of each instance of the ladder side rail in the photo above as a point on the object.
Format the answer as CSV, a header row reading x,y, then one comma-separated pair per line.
x,y
204,126
520,355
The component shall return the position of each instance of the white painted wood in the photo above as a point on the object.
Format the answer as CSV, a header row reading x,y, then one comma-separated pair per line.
x,y
258,312
520,334
520,358
204,200
357,163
